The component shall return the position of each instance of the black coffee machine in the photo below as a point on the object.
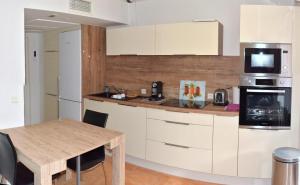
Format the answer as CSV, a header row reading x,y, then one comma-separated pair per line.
x,y
156,91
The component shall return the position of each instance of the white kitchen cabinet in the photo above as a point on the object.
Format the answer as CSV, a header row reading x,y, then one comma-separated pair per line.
x,y
182,140
193,38
256,148
264,23
138,40
190,118
104,107
190,135
132,122
51,41
181,157
50,107
129,120
51,72
225,145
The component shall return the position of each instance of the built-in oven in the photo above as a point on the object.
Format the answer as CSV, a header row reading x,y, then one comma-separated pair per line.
x,y
265,103
262,59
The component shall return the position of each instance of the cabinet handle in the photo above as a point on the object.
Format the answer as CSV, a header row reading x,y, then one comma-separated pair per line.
x,y
177,123
179,111
129,54
127,105
178,146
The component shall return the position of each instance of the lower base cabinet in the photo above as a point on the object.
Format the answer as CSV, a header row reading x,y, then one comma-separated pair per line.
x,y
132,122
225,145
256,148
181,157
199,142
129,120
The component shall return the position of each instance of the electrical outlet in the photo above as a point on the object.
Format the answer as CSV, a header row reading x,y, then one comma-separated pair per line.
x,y
143,91
210,96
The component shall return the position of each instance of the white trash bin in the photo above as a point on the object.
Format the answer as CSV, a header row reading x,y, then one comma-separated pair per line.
x,y
286,166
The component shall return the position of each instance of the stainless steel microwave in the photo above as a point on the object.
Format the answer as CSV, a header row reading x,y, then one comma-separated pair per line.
x,y
263,59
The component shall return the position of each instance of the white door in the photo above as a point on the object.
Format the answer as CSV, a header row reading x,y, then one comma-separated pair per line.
x,y
70,65
33,89
69,110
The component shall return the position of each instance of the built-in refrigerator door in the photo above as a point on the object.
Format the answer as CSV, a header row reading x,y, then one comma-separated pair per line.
x,y
70,65
69,110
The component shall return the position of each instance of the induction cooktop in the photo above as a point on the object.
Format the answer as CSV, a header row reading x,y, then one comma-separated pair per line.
x,y
185,103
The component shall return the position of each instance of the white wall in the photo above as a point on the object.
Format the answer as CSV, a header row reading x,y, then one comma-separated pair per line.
x,y
226,11
34,87
12,51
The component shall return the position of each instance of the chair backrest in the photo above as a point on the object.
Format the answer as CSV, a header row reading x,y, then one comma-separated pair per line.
x,y
8,159
95,118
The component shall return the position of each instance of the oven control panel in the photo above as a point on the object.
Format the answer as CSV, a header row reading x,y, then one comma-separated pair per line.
x,y
265,81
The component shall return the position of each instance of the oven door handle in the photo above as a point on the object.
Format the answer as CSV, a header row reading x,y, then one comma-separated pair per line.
x,y
266,91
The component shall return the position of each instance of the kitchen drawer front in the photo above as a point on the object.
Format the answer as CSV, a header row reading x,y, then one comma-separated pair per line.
x,y
192,118
186,158
190,135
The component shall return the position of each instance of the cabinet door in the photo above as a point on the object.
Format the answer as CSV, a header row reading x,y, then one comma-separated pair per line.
x,y
256,148
181,157
195,38
132,122
131,40
225,145
50,108
261,23
104,107
129,120
51,42
51,72
183,134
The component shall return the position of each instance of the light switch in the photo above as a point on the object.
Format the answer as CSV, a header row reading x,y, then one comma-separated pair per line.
x,y
14,99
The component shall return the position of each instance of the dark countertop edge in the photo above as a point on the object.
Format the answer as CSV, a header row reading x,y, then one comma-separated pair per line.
x,y
209,109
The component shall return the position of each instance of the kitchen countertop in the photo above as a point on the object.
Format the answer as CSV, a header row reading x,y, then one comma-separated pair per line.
x,y
140,102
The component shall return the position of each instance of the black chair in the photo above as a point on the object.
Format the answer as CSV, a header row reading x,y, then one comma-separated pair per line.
x,y
96,156
12,171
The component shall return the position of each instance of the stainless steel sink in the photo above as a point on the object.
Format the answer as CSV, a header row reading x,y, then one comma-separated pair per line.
x,y
109,95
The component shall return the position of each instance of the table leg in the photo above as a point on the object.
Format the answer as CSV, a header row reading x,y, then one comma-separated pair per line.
x,y
118,162
42,178
78,170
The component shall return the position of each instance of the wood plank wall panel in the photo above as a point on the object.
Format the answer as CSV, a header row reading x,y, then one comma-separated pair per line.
x,y
136,72
93,58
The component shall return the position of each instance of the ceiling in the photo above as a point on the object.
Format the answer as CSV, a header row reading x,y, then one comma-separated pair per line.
x,y
41,20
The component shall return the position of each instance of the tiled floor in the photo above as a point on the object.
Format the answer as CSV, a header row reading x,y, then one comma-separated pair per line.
x,y
134,176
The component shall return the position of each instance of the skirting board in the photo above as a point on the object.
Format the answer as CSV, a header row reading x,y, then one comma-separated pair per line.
x,y
196,175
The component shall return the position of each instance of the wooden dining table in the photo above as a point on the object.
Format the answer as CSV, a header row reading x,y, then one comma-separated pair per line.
x,y
45,148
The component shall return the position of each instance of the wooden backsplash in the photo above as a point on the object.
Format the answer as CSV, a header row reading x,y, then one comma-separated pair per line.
x,y
136,72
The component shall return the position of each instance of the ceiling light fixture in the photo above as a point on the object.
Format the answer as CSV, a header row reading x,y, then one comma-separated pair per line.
x,y
54,21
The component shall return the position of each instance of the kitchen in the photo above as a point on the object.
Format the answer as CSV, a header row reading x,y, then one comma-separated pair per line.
x,y
228,153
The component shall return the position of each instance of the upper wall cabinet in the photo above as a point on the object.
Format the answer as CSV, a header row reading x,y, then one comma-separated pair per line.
x,y
270,24
138,40
194,38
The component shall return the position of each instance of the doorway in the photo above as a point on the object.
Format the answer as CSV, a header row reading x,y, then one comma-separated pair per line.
x,y
41,92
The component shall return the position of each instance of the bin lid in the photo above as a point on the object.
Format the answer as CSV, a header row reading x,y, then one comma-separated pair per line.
x,y
287,154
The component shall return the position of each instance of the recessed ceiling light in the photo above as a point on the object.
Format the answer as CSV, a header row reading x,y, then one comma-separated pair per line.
x,y
52,16
54,21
